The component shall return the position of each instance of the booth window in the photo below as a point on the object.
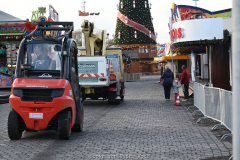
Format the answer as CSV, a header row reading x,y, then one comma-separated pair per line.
x,y
143,50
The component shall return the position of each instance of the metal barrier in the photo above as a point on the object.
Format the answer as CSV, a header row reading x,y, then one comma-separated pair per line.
x,y
134,77
214,103
226,108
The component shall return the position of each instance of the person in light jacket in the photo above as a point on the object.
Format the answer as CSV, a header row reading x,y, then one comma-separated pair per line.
x,y
167,82
175,88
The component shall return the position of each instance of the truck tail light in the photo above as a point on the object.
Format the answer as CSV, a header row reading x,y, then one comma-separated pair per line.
x,y
113,89
102,79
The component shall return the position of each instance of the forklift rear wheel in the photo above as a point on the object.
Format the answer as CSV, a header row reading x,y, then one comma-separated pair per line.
x,y
64,124
14,130
78,127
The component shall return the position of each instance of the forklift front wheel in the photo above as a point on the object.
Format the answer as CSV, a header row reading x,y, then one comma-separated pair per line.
x,y
64,124
14,130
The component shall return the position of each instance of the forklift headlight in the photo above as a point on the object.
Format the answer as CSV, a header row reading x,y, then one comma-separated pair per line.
x,y
17,92
57,93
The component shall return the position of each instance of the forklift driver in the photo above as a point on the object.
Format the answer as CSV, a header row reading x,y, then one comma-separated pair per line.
x,y
43,61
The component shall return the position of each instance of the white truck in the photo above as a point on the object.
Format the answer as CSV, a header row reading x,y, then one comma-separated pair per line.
x,y
101,72
96,79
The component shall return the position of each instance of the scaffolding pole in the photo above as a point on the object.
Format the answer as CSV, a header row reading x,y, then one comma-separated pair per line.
x,y
236,78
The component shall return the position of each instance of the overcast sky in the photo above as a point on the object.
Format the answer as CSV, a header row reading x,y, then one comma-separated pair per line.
x,y
68,11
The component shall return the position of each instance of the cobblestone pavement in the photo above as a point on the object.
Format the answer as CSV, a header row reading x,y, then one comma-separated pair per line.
x,y
144,126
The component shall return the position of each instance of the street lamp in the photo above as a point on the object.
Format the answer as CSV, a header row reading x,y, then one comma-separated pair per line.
x,y
196,2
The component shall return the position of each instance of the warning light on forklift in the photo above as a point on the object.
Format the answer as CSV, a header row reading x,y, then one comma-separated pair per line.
x,y
48,33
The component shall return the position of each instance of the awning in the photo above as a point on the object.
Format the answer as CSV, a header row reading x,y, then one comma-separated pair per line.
x,y
188,50
170,58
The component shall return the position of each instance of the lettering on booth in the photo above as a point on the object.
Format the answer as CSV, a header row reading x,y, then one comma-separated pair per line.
x,y
176,33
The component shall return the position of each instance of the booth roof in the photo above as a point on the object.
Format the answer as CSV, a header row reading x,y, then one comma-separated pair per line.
x,y
7,17
131,53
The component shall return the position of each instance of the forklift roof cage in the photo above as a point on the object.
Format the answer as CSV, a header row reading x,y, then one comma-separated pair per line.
x,y
54,26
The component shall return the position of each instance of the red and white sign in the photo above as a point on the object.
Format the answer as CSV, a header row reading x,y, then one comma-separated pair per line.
x,y
176,33
92,75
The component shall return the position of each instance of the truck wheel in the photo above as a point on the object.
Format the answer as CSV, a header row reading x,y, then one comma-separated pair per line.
x,y
110,102
122,97
78,127
14,130
64,124
121,94
117,102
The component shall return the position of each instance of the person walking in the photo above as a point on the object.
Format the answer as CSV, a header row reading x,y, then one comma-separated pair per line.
x,y
175,88
167,81
185,81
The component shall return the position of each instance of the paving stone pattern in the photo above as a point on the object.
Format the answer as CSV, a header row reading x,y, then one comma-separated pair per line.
x,y
144,126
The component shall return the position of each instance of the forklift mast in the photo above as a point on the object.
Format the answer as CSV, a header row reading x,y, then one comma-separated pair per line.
x,y
53,26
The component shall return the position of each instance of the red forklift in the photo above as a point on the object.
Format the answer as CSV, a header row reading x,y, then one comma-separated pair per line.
x,y
46,94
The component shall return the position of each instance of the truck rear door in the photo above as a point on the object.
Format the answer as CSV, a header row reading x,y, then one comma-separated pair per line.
x,y
93,71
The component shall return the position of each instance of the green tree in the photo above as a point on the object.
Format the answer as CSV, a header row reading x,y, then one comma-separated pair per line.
x,y
77,35
135,12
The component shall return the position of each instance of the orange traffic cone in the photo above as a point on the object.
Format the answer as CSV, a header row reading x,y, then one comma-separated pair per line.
x,y
112,75
178,101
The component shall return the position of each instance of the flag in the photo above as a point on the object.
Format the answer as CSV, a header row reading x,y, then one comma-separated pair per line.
x,y
83,13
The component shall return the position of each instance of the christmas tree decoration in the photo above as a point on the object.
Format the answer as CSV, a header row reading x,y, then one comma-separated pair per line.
x,y
117,6
119,35
134,16
145,4
150,5
126,19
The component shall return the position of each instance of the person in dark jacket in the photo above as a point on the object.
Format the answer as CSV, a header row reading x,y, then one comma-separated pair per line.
x,y
185,81
167,82
43,61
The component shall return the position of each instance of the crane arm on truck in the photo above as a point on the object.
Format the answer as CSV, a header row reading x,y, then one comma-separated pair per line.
x,y
94,39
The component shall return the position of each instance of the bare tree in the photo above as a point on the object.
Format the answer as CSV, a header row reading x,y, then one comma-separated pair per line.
x,y
77,35
110,43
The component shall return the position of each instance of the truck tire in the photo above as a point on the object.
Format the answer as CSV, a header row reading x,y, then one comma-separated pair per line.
x,y
14,130
117,102
121,92
78,126
64,124
122,98
110,102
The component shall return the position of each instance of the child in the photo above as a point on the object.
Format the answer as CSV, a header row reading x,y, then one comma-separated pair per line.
x,y
175,88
